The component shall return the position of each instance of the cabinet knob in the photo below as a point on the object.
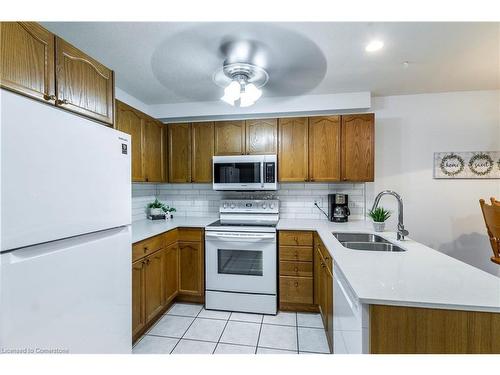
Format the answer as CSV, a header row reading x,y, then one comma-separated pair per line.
x,y
49,97
296,284
296,269
305,179
62,101
311,179
145,248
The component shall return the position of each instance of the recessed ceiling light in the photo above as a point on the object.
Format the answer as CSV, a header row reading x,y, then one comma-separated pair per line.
x,y
374,45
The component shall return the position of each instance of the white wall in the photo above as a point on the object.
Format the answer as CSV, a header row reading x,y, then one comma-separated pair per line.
x,y
443,214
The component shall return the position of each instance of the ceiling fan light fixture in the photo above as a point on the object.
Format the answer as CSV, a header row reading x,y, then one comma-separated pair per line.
x,y
232,92
241,83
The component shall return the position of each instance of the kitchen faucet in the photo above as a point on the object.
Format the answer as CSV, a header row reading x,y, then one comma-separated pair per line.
x,y
402,232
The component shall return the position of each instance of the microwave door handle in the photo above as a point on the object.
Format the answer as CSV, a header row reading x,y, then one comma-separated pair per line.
x,y
262,174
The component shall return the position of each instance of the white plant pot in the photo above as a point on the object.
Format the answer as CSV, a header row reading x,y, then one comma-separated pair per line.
x,y
156,211
378,226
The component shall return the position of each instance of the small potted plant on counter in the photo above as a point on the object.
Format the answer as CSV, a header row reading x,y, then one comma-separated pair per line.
x,y
156,208
159,210
379,215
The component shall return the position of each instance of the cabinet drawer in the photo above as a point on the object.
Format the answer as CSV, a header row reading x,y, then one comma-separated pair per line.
x,y
296,253
190,234
170,237
302,269
296,289
146,247
295,238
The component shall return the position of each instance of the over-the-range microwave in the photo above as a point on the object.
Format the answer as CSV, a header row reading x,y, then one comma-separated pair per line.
x,y
245,172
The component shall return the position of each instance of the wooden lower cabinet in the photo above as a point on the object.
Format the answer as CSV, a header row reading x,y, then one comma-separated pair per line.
x,y
296,283
138,298
191,269
171,265
154,284
413,330
323,284
165,267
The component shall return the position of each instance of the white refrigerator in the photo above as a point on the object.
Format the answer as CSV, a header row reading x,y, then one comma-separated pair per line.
x,y
65,237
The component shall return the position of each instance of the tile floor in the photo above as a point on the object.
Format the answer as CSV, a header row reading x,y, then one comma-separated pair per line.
x,y
190,329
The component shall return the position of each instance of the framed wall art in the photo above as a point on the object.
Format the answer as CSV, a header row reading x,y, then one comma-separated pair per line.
x,y
471,164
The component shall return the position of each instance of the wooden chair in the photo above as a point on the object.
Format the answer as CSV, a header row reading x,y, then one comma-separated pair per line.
x,y
491,214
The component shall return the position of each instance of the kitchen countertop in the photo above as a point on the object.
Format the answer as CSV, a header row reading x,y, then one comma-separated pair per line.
x,y
419,277
142,229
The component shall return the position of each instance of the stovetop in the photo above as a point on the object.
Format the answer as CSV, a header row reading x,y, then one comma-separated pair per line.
x,y
240,227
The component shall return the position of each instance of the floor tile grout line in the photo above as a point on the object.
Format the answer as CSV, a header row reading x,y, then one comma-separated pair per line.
x,y
218,341
185,330
258,337
286,350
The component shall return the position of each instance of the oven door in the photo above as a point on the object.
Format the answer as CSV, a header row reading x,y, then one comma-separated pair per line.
x,y
240,262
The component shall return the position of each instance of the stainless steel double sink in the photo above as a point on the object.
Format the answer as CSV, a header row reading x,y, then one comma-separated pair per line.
x,y
366,241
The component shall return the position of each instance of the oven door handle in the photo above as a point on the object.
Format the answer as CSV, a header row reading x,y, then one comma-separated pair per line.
x,y
238,237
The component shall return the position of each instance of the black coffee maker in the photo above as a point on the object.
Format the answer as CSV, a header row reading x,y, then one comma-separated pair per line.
x,y
337,208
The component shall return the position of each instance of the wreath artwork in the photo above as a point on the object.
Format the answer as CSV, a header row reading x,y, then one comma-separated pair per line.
x,y
477,165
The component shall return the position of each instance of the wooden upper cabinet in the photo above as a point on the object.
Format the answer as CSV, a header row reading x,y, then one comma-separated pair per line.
x,y
293,149
202,149
358,147
324,148
83,85
153,151
229,138
179,152
27,59
130,121
261,136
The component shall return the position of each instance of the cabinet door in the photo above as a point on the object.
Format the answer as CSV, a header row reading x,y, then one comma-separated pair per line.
x,y
229,138
324,148
202,151
27,59
130,121
154,284
293,149
179,152
358,147
138,297
171,272
153,151
83,84
191,272
261,136
329,307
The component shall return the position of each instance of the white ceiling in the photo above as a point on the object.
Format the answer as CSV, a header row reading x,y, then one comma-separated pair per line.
x,y
161,63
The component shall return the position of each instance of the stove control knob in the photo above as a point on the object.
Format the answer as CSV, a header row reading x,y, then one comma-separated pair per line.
x,y
271,206
224,205
232,205
264,205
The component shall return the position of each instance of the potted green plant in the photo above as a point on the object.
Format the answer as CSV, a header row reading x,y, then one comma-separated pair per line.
x,y
379,215
156,208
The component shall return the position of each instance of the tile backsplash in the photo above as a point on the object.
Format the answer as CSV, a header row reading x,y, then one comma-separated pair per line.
x,y
296,199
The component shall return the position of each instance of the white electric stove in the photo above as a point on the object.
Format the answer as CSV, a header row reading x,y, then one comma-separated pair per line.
x,y
241,257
